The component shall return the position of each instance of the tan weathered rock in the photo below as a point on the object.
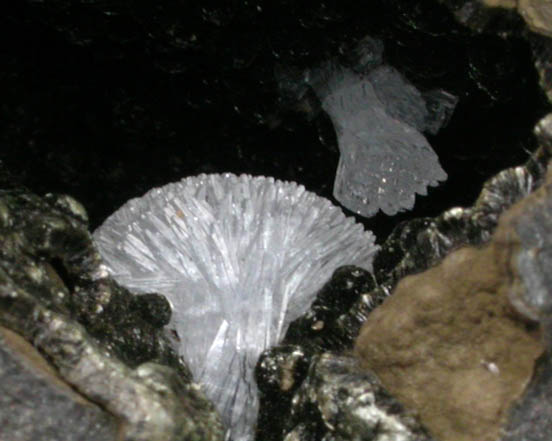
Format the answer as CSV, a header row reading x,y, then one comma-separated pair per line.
x,y
449,343
537,15
509,4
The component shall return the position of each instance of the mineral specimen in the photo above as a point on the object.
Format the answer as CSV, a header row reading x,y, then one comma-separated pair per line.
x,y
351,403
459,343
453,351
92,342
239,258
36,404
332,324
532,222
378,117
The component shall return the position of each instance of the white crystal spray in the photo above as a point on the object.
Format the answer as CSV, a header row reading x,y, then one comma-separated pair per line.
x,y
239,258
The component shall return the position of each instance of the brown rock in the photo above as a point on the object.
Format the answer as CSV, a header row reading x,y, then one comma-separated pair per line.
x,y
500,3
537,14
449,344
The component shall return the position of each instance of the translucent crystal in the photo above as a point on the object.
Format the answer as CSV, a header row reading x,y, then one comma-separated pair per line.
x,y
239,258
400,99
385,160
378,117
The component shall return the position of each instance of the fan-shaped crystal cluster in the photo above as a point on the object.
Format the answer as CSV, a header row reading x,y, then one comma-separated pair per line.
x,y
239,258
378,117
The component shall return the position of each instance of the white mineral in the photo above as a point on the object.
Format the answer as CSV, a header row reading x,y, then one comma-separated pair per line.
x,y
378,118
239,258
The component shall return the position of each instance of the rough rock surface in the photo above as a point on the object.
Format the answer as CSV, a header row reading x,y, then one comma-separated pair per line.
x,y
459,342
333,321
55,294
351,404
531,417
448,343
531,219
537,14
36,404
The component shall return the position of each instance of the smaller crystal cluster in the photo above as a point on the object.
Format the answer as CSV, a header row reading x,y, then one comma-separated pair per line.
x,y
239,258
378,117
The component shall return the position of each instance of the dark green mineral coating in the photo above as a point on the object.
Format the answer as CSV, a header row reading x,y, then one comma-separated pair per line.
x,y
420,243
280,371
129,326
343,401
50,251
318,326
106,343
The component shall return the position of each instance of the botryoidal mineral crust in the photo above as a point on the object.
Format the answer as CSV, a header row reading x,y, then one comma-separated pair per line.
x,y
105,346
458,343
